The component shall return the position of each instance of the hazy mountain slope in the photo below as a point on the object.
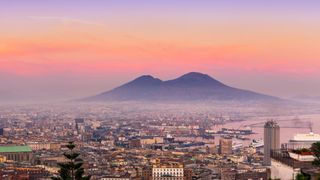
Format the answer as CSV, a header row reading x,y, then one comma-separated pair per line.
x,y
191,86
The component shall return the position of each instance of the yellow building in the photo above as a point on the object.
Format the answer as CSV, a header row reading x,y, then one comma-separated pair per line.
x,y
3,158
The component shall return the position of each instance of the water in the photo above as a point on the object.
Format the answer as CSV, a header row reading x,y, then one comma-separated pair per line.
x,y
289,125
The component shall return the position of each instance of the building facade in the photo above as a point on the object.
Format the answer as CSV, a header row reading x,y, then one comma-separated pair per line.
x,y
225,146
271,140
36,146
17,153
300,141
169,171
20,173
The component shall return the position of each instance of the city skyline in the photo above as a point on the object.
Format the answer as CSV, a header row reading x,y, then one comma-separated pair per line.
x,y
65,50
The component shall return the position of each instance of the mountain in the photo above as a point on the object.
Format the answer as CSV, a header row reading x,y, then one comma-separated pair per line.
x,y
191,86
307,98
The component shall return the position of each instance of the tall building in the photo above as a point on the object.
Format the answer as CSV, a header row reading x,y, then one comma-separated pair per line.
x,y
225,146
79,120
1,131
271,140
80,125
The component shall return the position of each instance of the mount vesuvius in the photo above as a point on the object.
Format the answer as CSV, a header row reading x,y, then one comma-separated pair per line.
x,y
188,87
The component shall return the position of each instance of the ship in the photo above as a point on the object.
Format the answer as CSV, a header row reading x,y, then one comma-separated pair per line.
x,y
257,143
235,131
237,145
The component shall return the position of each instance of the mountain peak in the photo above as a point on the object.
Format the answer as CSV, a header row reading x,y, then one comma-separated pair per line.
x,y
145,80
195,75
196,79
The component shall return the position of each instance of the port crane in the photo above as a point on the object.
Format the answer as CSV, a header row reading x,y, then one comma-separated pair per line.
x,y
297,124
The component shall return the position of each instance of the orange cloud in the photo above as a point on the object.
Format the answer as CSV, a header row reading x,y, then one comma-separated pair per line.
x,y
82,48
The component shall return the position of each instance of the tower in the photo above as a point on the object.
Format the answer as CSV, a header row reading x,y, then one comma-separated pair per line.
x,y
225,146
79,122
271,140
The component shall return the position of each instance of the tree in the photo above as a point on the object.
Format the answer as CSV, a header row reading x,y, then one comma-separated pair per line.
x,y
301,177
71,170
315,148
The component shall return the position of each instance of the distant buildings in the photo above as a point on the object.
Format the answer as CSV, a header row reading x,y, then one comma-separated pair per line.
x,y
35,146
271,140
124,177
79,124
225,146
147,140
79,120
160,145
172,171
16,153
23,173
245,174
1,131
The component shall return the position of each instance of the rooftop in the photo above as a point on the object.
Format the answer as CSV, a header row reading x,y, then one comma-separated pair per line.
x,y
17,149
271,124
306,137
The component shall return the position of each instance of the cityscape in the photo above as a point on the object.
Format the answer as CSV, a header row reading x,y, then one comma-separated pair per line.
x,y
134,141
161,90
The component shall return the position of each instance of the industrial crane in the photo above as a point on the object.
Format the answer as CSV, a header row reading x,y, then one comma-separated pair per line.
x,y
297,124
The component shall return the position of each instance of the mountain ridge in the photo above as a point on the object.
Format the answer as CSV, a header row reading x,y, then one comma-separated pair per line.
x,y
190,86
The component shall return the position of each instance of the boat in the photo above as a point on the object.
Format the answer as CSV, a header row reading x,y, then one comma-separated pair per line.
x,y
242,137
257,143
237,145
246,131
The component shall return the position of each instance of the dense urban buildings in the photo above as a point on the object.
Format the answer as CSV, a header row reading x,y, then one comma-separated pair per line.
x,y
119,143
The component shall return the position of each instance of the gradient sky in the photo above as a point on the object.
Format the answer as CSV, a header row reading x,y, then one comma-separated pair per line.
x,y
64,49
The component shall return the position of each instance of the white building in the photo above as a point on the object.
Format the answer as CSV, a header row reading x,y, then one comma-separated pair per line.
x,y
283,171
168,171
286,165
300,141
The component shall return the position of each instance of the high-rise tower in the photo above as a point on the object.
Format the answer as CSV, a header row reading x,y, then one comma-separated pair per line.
x,y
225,146
271,140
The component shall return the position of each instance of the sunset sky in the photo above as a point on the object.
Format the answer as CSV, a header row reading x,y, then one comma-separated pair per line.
x,y
64,49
